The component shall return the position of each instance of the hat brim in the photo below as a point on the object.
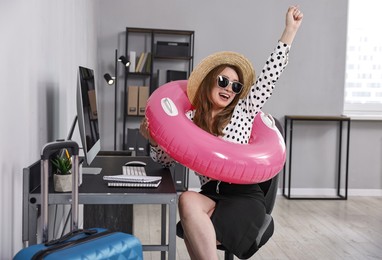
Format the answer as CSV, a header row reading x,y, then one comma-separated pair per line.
x,y
220,58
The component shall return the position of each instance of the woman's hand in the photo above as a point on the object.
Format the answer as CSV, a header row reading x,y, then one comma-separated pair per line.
x,y
144,130
293,21
293,18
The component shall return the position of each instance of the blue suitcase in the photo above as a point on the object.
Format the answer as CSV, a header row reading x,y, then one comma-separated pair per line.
x,y
95,243
87,244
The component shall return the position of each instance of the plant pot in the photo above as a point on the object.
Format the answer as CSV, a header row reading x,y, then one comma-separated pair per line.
x,y
62,183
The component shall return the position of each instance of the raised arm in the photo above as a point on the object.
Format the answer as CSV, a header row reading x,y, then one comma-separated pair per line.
x,y
274,66
292,24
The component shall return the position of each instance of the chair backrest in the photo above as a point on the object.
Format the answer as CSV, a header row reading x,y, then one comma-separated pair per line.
x,y
270,191
270,187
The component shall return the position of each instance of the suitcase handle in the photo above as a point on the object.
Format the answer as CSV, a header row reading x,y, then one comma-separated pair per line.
x,y
47,151
50,148
44,252
70,235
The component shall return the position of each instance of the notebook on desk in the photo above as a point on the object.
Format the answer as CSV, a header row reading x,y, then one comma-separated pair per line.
x,y
133,176
153,184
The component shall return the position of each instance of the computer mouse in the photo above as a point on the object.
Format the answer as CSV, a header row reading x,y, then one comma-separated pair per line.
x,y
135,163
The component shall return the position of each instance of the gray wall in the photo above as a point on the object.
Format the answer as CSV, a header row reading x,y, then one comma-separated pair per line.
x,y
42,44
312,84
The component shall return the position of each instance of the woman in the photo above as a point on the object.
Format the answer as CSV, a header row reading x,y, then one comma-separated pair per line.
x,y
226,101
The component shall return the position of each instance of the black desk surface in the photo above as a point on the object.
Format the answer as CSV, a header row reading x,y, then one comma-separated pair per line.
x,y
112,165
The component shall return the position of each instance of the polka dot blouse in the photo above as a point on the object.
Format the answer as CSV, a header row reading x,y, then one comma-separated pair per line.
x,y
238,130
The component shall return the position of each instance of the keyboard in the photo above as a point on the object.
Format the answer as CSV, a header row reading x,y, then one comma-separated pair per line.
x,y
136,174
134,170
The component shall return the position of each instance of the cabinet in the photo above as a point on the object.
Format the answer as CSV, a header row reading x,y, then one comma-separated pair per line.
x,y
167,55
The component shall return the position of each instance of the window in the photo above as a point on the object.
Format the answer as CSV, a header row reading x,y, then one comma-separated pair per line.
x,y
363,82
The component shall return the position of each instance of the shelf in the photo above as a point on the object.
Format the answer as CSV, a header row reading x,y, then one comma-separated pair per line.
x,y
139,74
172,58
159,31
173,43
146,40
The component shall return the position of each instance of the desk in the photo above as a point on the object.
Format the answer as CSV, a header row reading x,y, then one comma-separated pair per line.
x,y
289,120
95,191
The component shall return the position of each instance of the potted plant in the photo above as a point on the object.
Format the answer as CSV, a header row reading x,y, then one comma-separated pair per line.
x,y
62,175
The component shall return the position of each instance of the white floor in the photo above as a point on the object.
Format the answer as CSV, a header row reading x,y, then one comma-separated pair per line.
x,y
304,229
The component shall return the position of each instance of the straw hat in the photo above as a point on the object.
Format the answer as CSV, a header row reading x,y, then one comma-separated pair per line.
x,y
214,60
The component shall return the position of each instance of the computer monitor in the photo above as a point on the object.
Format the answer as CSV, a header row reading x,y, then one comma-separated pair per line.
x,y
88,118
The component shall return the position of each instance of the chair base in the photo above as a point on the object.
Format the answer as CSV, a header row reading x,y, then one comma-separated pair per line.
x,y
227,254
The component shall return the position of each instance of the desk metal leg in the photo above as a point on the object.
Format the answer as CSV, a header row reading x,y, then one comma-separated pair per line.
x,y
172,230
163,229
339,160
290,159
26,204
284,168
347,160
32,228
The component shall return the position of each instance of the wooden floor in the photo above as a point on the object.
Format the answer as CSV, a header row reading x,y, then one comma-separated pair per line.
x,y
304,229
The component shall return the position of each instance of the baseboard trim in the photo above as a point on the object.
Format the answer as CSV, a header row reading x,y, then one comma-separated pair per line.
x,y
325,192
365,192
333,192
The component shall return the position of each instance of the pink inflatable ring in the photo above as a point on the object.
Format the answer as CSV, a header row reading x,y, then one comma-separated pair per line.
x,y
207,154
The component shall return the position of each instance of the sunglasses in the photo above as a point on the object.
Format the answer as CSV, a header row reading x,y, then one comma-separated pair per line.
x,y
223,82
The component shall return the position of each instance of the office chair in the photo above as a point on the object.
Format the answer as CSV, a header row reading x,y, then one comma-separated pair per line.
x,y
266,231
270,192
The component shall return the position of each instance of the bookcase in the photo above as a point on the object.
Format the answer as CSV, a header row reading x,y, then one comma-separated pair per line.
x,y
156,56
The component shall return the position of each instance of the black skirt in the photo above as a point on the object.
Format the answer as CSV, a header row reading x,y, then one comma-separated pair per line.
x,y
238,216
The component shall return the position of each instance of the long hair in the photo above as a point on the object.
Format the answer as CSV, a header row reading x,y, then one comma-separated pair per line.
x,y
203,104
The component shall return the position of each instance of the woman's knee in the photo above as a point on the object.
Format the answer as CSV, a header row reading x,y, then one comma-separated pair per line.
x,y
186,200
191,202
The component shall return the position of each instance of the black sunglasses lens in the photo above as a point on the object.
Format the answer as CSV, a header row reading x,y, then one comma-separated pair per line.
x,y
237,87
223,82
